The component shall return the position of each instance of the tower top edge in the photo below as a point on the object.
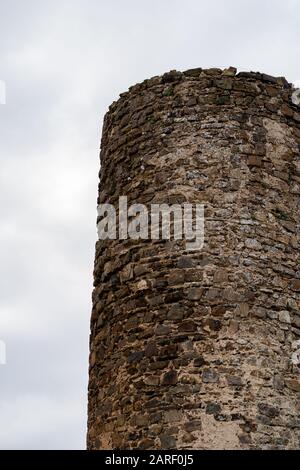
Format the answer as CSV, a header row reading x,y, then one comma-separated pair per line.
x,y
197,74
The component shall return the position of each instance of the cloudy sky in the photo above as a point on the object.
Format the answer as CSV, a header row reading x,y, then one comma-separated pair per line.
x,y
63,62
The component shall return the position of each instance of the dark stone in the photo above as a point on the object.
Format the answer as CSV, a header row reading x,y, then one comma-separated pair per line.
x,y
135,356
245,439
162,330
170,378
254,160
155,418
173,296
210,376
172,76
252,75
218,310
268,410
236,417
167,441
132,436
287,110
224,83
153,403
151,350
265,420
213,408
185,262
187,326
278,382
213,294
176,312
234,380
195,293
193,72
293,384
140,420
169,352
199,361
156,300
156,365
214,325
283,82
295,285
146,444
176,277
222,100
104,408
260,312
212,71
269,78
193,425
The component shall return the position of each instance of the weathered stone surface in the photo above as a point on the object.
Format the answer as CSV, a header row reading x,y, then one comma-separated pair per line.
x,y
295,285
167,441
170,378
135,356
210,376
195,293
293,384
151,349
193,425
220,276
199,349
213,408
234,380
284,316
230,72
185,262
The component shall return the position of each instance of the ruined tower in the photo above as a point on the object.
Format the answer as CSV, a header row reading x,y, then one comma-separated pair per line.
x,y
200,349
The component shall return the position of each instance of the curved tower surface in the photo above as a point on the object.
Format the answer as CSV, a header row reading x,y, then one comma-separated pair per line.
x,y
200,349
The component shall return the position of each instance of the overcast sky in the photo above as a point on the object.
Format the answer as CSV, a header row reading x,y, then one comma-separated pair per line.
x,y
63,63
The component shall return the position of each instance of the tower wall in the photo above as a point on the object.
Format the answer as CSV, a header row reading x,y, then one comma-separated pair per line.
x,y
198,349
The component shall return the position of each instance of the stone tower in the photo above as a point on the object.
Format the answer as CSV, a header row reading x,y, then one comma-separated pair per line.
x,y
200,349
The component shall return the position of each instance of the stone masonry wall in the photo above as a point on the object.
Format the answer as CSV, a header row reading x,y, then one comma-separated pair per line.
x,y
198,350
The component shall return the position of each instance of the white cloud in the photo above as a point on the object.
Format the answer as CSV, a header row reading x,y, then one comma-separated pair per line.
x,y
2,92
32,419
